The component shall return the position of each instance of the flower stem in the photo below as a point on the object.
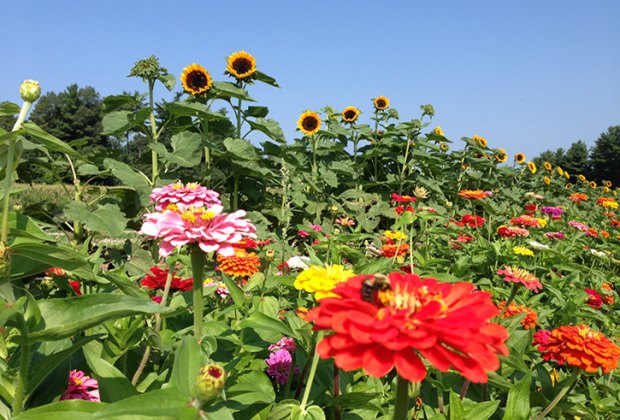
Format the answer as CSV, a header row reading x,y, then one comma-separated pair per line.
x,y
511,297
153,133
24,367
8,175
569,385
315,363
401,405
199,258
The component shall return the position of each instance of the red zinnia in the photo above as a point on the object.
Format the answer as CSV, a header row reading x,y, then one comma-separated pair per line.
x,y
578,346
157,280
402,198
447,324
401,209
511,231
594,300
473,221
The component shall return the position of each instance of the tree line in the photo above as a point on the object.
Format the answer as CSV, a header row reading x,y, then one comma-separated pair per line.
x,y
75,115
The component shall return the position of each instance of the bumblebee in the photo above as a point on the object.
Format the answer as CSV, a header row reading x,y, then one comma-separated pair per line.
x,y
373,285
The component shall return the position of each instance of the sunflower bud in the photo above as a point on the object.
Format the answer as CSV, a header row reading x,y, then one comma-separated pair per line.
x,y
428,110
270,254
210,382
5,259
30,90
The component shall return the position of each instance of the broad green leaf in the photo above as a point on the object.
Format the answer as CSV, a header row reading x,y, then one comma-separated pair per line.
x,y
88,169
193,109
186,150
113,385
8,109
235,292
262,77
25,226
126,285
257,111
65,317
187,362
108,219
313,412
69,409
252,388
270,127
227,90
114,102
241,149
120,121
53,144
266,326
518,404
283,410
482,410
29,258
160,404
168,80
457,412
136,180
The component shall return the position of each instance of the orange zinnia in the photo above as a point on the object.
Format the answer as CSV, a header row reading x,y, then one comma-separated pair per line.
x,y
242,264
579,346
531,317
395,250
578,197
447,324
474,194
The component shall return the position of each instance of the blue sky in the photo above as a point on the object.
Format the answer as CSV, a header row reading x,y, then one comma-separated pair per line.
x,y
528,75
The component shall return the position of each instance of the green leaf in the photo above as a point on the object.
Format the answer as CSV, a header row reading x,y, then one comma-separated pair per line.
x,y
88,169
53,144
187,362
114,102
257,111
482,410
227,90
25,226
29,258
270,127
252,388
113,385
168,80
41,370
313,412
241,149
518,404
457,412
120,121
262,77
186,149
69,409
8,109
160,404
65,317
193,109
267,327
136,180
235,292
108,219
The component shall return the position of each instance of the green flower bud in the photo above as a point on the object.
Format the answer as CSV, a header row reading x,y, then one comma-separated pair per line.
x,y
5,260
30,90
333,209
210,382
270,254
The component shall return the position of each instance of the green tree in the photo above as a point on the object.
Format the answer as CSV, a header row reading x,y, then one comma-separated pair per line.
x,y
576,159
605,156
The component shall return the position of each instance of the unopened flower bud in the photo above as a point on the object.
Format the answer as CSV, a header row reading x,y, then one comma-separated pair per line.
x,y
270,254
210,382
336,232
30,90
333,209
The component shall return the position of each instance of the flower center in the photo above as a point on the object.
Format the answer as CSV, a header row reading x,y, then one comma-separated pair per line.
x,y
309,123
242,66
196,80
197,217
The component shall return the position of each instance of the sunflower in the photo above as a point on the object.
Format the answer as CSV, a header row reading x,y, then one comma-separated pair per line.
x,y
581,178
560,171
438,131
532,167
309,123
566,175
606,189
519,158
381,103
608,184
480,140
350,114
569,186
196,79
548,166
502,156
593,184
241,65
443,146
546,180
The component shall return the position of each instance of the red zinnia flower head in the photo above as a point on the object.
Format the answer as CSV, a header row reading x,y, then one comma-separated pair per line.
x,y
511,231
530,207
402,198
157,277
519,275
447,324
594,300
525,220
303,233
247,243
56,271
579,346
475,194
473,221
401,209
457,223
75,285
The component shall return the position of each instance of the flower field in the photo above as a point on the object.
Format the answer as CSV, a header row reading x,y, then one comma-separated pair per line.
x,y
373,267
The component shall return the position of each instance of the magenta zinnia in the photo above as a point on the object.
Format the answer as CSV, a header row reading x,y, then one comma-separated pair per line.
x,y
208,228
81,387
447,324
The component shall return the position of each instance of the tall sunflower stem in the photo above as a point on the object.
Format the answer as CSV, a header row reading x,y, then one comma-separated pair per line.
x,y
402,172
401,405
567,388
199,259
315,363
154,134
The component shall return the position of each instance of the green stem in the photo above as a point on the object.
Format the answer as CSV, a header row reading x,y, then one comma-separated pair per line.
x,y
24,366
199,258
315,363
315,170
8,175
235,197
401,405
402,172
154,133
511,297
569,385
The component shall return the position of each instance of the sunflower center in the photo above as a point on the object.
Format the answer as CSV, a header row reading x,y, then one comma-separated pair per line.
x,y
380,103
349,115
309,123
242,65
197,80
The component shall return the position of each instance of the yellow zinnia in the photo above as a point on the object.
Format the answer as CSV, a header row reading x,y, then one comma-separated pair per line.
x,y
309,123
196,79
521,250
241,65
321,280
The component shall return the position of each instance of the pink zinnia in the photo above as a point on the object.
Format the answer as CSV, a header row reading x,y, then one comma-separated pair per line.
x,y
285,343
279,365
81,387
191,194
303,233
208,228
594,300
519,275
578,225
